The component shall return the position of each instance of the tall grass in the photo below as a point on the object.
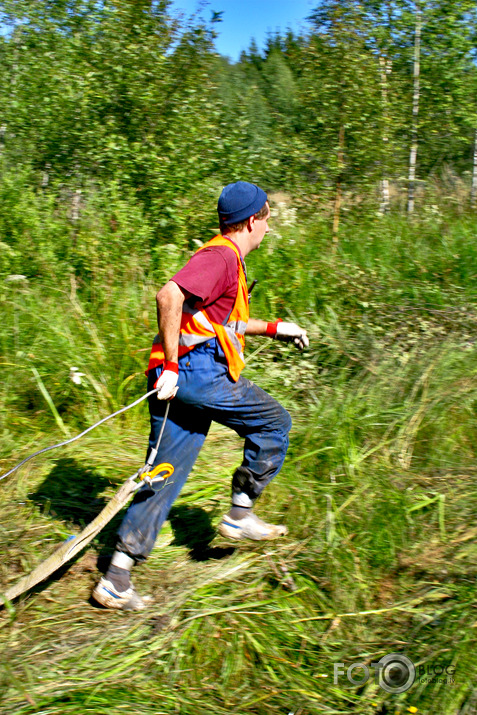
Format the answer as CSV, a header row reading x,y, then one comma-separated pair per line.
x,y
378,489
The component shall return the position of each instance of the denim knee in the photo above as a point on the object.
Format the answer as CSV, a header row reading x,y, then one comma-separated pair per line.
x,y
287,420
283,422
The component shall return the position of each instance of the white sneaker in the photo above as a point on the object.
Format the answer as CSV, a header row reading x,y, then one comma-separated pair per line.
x,y
108,596
250,527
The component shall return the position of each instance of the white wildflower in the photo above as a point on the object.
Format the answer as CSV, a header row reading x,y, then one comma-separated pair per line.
x,y
76,375
15,278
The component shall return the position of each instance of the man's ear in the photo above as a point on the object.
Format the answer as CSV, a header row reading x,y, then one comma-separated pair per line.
x,y
250,223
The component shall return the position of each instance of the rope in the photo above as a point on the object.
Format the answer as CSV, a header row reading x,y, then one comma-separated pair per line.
x,y
73,439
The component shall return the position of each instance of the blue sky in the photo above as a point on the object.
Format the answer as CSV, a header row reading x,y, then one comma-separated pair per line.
x,y
244,19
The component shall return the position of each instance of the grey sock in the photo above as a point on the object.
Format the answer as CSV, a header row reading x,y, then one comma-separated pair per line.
x,y
120,578
239,512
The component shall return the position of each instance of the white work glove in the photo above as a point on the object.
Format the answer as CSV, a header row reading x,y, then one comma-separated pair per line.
x,y
166,384
292,333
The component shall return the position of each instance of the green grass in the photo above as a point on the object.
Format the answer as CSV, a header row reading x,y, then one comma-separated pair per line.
x,y
378,490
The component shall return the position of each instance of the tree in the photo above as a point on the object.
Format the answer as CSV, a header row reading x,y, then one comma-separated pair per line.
x,y
415,107
340,96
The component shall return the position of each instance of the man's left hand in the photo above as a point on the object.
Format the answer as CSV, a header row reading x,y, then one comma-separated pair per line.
x,y
292,333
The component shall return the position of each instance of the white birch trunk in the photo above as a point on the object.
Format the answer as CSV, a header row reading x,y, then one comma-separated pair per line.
x,y
385,68
75,206
415,110
473,190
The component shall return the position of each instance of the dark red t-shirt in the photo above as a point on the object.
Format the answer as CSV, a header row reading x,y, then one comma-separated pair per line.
x,y
211,276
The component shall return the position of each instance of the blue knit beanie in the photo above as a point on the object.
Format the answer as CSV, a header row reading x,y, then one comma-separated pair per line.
x,y
240,201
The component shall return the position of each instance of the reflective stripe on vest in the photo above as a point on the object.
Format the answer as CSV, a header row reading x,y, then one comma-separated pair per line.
x,y
197,328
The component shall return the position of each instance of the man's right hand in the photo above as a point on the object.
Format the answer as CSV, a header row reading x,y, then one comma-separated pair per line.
x,y
166,384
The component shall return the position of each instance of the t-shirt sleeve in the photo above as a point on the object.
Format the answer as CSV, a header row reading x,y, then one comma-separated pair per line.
x,y
209,274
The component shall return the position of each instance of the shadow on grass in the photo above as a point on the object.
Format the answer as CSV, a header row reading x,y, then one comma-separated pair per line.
x,y
192,528
74,494
71,492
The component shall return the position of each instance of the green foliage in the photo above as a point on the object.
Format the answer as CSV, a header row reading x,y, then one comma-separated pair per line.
x,y
119,92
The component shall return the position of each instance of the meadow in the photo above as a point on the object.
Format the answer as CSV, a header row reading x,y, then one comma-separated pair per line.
x,y
378,489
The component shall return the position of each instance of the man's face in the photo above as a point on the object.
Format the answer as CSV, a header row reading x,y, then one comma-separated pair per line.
x,y
259,229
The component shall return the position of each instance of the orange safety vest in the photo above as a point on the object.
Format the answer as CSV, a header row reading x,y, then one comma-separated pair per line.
x,y
196,326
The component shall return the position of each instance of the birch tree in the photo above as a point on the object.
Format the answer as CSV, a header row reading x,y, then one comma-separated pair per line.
x,y
415,107
473,190
382,43
442,72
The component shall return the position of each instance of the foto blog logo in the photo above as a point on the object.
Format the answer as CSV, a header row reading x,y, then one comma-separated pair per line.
x,y
395,673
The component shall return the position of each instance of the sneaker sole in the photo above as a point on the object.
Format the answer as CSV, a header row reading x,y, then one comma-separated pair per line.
x,y
236,533
108,600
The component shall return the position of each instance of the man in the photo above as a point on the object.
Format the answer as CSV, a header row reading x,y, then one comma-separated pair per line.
x,y
198,354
